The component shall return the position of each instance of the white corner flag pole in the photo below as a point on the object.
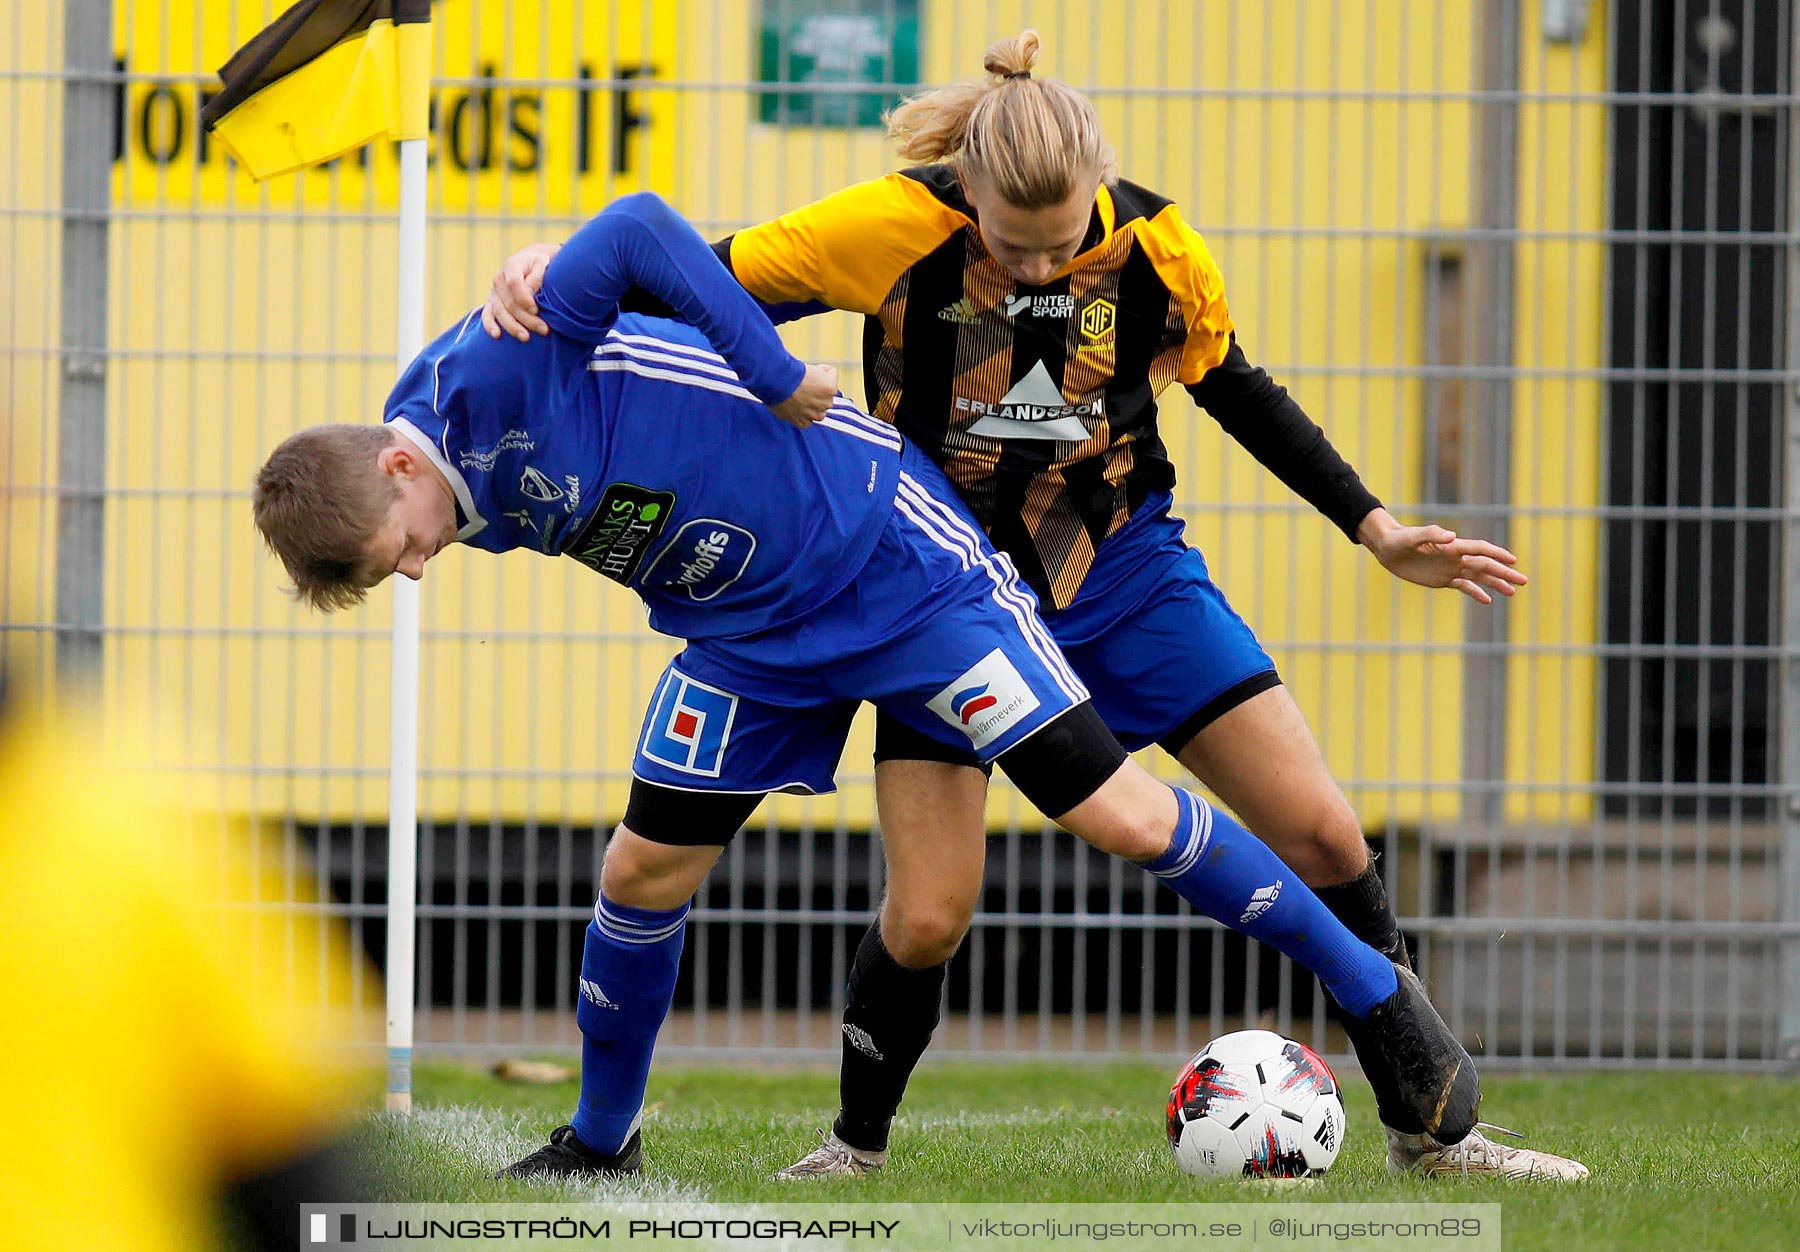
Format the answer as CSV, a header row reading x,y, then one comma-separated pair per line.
x,y
403,754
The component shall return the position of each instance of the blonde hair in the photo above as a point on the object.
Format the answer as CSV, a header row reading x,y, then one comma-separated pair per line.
x,y
318,501
1034,140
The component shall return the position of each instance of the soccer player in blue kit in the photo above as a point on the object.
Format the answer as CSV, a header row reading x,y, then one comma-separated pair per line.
x,y
810,563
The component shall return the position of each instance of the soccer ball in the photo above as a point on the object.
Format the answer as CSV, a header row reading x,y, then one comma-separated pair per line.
x,y
1255,1105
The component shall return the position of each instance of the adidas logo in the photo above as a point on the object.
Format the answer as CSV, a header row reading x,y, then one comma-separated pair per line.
x,y
1326,1135
962,312
590,990
859,1039
1261,901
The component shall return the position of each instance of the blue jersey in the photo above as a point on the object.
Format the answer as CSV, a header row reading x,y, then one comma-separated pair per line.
x,y
642,447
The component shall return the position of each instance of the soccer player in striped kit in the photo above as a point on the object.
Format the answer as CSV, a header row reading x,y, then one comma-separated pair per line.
x,y
810,566
1025,307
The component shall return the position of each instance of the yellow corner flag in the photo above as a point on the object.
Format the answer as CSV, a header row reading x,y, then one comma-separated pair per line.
x,y
325,79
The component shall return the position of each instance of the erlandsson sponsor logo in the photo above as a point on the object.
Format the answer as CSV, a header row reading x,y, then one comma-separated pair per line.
x,y
1034,408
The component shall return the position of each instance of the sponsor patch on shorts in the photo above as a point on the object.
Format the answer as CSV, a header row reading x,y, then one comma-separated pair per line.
x,y
689,725
988,699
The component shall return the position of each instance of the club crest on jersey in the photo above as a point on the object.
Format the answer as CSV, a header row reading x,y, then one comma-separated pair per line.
x,y
986,700
536,484
689,725
621,530
1035,408
1099,318
705,557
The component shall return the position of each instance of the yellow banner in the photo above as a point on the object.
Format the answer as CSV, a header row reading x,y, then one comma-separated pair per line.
x,y
538,105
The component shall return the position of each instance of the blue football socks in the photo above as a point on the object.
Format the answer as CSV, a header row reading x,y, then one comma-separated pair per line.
x,y
1228,874
628,968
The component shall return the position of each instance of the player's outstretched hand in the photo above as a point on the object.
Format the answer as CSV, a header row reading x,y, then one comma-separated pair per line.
x,y
1432,556
811,399
511,306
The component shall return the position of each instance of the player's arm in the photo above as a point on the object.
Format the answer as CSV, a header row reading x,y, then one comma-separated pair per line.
x,y
639,241
781,312
1253,408
1258,412
511,307
844,251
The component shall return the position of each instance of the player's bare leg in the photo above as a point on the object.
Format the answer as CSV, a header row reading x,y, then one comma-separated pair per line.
x,y
1261,759
647,875
934,836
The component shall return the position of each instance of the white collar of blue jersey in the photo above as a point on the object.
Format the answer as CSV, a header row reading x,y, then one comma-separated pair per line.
x,y
464,500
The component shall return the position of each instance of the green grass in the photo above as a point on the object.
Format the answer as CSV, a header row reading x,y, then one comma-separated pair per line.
x,y
1680,1161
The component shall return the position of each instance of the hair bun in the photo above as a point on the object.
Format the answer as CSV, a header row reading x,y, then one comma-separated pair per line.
x,y
1013,58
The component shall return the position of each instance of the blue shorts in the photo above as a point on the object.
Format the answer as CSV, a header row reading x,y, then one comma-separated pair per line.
x,y
1150,634
936,631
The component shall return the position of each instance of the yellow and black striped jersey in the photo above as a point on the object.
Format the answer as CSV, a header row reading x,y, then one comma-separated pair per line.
x,y
1039,402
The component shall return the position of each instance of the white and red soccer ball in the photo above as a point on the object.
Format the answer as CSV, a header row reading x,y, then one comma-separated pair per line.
x,y
1255,1105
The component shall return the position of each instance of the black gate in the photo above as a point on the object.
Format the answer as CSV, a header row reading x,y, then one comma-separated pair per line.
x,y
1698,316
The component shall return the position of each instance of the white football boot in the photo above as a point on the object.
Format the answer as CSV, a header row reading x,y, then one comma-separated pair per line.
x,y
833,1158
1477,1154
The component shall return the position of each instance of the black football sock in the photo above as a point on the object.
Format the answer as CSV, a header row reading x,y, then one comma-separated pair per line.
x,y
889,1015
1362,905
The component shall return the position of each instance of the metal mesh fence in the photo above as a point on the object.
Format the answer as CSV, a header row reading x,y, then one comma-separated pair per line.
x,y
1535,266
